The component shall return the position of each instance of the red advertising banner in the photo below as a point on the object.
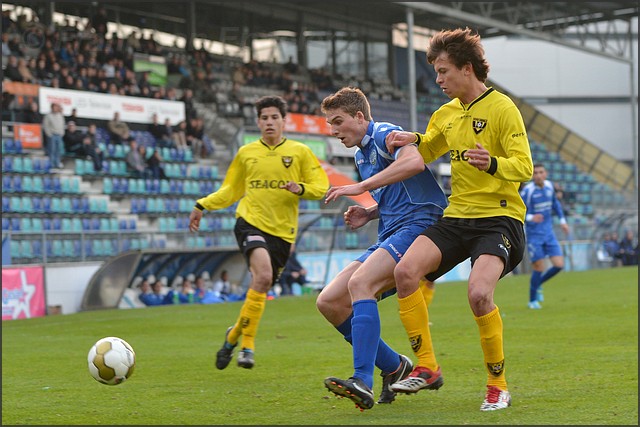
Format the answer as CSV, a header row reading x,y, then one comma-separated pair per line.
x,y
305,123
29,134
23,294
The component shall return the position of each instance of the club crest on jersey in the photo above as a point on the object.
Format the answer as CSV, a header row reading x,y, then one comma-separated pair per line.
x,y
479,125
372,157
286,161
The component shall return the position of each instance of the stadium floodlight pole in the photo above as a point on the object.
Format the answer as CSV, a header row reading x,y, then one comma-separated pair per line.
x,y
411,65
634,114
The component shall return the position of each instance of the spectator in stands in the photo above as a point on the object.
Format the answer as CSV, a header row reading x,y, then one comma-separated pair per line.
x,y
609,249
154,166
53,128
136,163
11,71
628,255
185,295
180,135
118,130
73,140
189,108
222,286
153,297
293,272
32,115
614,247
205,295
99,21
161,132
73,117
194,136
25,72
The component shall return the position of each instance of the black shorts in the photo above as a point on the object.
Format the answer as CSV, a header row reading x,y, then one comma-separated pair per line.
x,y
250,237
462,238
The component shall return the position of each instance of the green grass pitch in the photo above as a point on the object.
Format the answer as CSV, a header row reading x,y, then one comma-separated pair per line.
x,y
573,362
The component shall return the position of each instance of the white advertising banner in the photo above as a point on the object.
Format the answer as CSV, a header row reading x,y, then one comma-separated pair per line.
x,y
101,106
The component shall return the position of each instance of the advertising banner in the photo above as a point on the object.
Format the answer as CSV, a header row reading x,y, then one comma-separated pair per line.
x,y
92,105
305,123
29,134
23,293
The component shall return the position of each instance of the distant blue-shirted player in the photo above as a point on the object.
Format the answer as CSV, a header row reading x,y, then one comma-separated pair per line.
x,y
540,199
409,200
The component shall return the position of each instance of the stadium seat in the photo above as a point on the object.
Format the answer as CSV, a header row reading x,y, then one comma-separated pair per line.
x,y
7,184
15,224
7,164
25,249
37,205
36,224
18,165
76,225
6,224
27,165
17,184
66,225
38,185
36,247
56,224
25,225
107,185
46,224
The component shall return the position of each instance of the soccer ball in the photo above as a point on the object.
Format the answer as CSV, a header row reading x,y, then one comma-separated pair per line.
x,y
111,360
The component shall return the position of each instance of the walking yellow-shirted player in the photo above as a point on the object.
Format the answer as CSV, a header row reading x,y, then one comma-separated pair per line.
x,y
268,177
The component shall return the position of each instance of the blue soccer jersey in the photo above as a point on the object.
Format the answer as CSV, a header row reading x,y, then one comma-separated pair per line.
x,y
541,200
404,202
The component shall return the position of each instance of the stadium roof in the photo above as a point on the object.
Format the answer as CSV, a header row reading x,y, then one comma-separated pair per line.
x,y
568,23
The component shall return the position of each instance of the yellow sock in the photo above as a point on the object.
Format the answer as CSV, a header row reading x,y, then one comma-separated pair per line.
x,y
249,319
490,326
415,318
428,289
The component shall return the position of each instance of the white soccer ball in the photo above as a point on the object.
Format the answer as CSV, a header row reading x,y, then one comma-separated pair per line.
x,y
111,360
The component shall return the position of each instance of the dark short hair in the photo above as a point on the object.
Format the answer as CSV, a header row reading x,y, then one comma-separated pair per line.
x,y
271,101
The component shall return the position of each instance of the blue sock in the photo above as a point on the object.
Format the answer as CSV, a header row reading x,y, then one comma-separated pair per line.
x,y
386,358
534,284
549,274
345,328
365,331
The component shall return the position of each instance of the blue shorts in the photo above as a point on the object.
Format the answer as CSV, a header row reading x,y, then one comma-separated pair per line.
x,y
540,248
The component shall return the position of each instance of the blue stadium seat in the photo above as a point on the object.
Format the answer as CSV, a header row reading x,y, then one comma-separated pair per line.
x,y
27,183
36,247
17,146
6,224
15,224
46,204
95,224
56,224
7,184
27,204
36,204
66,225
46,224
17,184
7,165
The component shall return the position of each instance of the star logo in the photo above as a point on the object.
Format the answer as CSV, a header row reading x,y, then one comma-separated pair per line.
x,y
23,297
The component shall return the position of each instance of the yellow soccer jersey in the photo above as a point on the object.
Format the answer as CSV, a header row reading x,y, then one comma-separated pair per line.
x,y
255,176
492,120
